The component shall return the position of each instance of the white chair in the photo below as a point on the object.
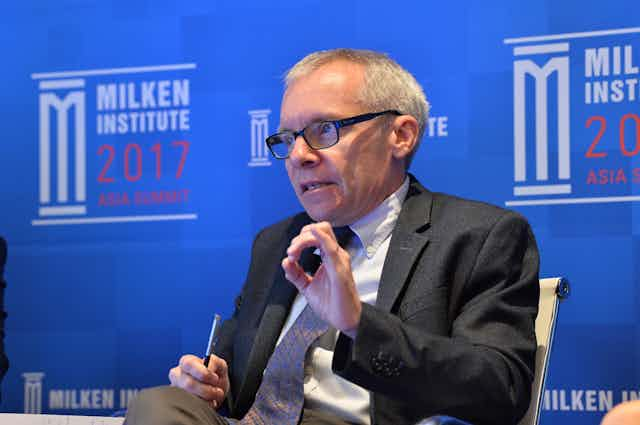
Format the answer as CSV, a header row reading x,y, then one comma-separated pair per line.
x,y
552,291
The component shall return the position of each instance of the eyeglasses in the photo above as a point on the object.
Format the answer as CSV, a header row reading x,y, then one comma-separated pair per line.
x,y
317,135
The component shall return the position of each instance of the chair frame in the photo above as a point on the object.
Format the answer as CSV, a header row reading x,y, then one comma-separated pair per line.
x,y
561,289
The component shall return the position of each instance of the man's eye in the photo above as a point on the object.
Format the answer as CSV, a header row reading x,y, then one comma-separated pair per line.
x,y
325,128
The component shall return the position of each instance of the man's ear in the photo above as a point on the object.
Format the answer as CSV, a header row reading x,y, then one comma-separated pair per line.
x,y
405,128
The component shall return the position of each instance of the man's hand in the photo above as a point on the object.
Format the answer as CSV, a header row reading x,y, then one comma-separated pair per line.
x,y
210,384
331,292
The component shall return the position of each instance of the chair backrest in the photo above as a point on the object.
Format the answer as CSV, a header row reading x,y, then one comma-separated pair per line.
x,y
552,290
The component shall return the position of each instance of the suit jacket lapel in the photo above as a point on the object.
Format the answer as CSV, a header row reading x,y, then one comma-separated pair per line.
x,y
408,240
278,304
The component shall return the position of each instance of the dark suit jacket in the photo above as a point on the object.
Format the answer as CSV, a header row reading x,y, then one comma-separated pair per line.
x,y
452,331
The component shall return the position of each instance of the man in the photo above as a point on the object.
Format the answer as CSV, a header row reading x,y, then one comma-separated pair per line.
x,y
430,306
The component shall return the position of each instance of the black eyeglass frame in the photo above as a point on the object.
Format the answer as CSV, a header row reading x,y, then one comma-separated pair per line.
x,y
338,124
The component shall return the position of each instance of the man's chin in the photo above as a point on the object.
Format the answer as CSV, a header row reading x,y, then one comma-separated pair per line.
x,y
319,215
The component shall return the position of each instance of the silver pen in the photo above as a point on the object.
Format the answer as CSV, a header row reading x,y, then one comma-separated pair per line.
x,y
213,338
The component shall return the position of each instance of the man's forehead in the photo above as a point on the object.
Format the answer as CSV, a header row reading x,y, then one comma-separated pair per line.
x,y
327,93
296,121
332,73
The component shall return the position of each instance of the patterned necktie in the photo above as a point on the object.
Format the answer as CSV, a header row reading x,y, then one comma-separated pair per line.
x,y
280,398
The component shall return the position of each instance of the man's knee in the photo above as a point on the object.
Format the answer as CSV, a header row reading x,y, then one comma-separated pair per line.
x,y
155,404
167,406
151,397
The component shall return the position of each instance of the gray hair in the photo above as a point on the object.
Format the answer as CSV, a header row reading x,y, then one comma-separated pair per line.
x,y
387,85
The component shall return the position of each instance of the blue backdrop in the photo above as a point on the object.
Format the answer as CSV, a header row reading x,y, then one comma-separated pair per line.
x,y
134,176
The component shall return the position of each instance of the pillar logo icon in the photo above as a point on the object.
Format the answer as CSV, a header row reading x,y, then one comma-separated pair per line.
x,y
259,132
522,68
70,195
33,392
571,143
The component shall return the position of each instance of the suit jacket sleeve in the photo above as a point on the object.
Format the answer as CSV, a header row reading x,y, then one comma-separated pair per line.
x,y
479,366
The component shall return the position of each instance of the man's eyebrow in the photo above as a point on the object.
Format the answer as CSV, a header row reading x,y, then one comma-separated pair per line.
x,y
315,118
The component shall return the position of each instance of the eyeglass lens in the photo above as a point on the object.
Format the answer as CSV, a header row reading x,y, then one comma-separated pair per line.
x,y
318,135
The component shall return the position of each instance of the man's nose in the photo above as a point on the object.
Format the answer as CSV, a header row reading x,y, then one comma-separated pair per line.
x,y
302,155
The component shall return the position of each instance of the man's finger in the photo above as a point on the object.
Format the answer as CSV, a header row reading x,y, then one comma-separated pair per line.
x,y
299,244
202,390
194,366
218,366
183,380
307,238
174,373
295,274
219,371
327,243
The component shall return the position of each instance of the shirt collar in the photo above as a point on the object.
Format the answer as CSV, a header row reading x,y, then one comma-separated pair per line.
x,y
374,228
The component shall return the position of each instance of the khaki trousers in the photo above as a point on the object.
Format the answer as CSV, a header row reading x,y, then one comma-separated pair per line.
x,y
174,406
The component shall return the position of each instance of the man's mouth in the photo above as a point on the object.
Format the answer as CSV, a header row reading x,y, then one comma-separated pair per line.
x,y
313,185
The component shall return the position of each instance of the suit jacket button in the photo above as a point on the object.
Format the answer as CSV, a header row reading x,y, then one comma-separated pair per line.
x,y
376,364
